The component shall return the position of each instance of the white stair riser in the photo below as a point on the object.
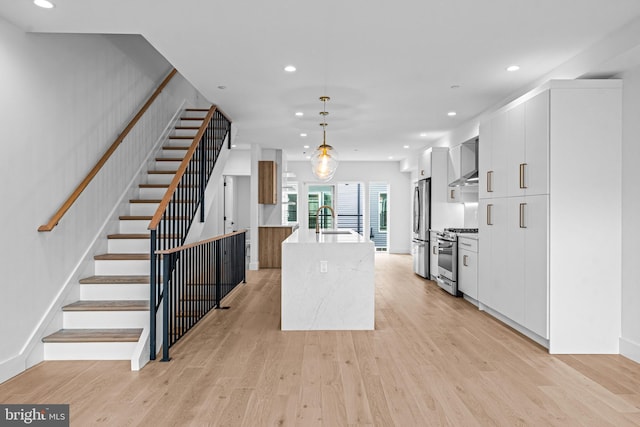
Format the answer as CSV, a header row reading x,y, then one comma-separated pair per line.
x,y
185,132
167,166
194,123
89,351
121,267
174,153
152,193
105,319
159,178
129,246
134,226
136,209
119,292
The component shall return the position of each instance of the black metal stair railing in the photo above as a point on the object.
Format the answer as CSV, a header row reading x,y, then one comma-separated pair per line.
x,y
196,278
177,210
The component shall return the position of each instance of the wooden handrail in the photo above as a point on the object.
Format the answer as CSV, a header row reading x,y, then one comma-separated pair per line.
x,y
202,242
181,170
85,182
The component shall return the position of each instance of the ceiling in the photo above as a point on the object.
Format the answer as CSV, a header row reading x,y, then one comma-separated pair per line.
x,y
393,70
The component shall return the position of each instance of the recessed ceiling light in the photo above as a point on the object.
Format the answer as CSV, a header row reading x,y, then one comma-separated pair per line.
x,y
406,146
451,113
423,134
299,114
43,3
303,135
513,68
390,157
308,157
233,145
290,68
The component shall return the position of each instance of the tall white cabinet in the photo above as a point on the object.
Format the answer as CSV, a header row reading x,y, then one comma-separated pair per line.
x,y
549,215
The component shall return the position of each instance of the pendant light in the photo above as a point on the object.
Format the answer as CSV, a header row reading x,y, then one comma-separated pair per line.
x,y
324,161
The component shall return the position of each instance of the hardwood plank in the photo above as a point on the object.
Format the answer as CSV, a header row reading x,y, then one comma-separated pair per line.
x,y
94,335
116,305
432,360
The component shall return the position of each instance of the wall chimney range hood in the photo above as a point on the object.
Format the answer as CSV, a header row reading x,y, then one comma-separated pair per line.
x,y
463,164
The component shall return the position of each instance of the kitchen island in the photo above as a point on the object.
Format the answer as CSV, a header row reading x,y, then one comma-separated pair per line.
x,y
327,281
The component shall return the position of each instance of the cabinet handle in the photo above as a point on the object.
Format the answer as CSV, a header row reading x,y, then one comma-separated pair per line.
x,y
464,260
489,181
452,194
489,206
522,207
522,173
434,249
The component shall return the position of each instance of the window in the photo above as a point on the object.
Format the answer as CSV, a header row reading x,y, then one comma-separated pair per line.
x,y
382,211
290,202
320,195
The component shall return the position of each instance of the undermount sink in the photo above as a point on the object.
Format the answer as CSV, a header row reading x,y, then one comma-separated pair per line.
x,y
336,232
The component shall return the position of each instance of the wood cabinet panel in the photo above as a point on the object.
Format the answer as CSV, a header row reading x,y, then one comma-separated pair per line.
x,y
270,245
267,182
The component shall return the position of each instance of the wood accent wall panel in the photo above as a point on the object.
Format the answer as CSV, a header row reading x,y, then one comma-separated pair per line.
x,y
267,182
270,245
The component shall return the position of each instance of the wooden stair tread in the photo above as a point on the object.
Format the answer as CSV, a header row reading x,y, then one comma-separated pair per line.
x,y
108,305
115,280
192,118
169,159
172,147
153,186
182,137
93,335
122,257
187,127
161,172
196,109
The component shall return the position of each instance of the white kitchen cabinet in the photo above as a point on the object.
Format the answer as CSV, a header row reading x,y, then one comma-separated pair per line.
x,y
424,165
493,157
540,259
494,285
468,266
433,255
528,149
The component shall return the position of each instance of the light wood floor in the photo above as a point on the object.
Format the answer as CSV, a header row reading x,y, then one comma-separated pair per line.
x,y
432,360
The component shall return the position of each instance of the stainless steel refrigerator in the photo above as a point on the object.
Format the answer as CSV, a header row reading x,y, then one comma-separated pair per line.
x,y
421,224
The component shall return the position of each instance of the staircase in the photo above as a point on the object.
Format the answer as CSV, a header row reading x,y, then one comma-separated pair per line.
x,y
108,320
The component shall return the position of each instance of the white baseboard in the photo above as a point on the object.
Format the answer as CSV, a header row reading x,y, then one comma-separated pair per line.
x,y
524,331
11,367
630,349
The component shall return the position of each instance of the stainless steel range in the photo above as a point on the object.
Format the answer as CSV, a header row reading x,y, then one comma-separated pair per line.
x,y
448,258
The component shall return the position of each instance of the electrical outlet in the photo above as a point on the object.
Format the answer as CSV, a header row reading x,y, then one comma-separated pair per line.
x,y
323,266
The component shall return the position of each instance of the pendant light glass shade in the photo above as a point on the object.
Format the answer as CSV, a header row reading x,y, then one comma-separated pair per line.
x,y
324,161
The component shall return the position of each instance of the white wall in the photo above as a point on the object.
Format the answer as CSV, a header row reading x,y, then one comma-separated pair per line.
x,y
400,192
64,100
630,340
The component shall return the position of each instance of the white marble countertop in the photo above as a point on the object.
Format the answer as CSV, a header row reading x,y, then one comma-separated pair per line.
x,y
306,236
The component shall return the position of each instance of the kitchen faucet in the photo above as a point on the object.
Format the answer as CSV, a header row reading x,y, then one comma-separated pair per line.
x,y
333,215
